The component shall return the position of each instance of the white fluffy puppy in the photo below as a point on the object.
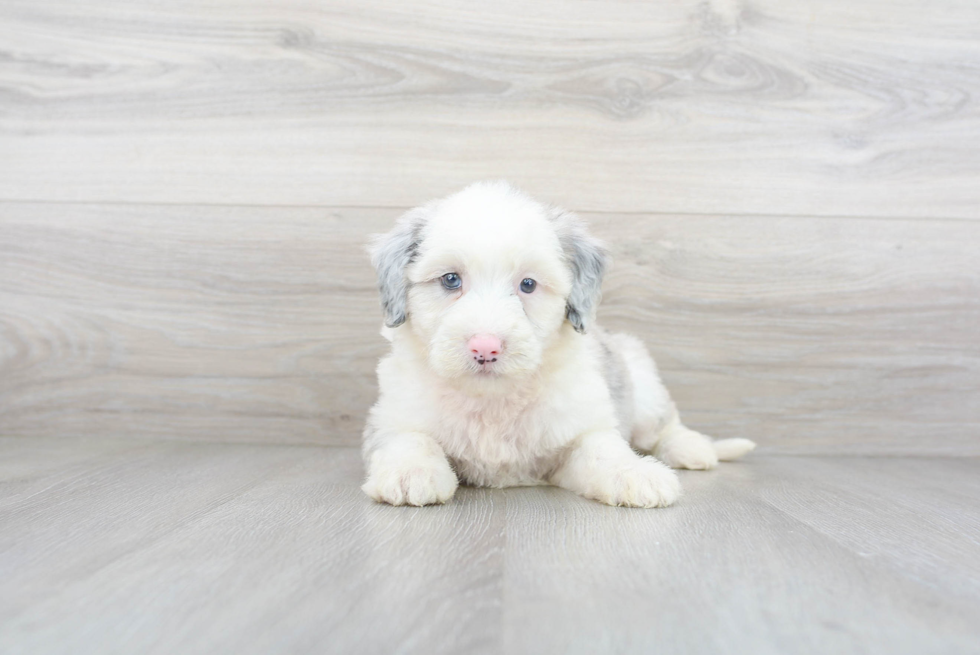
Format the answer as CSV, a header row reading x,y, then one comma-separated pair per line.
x,y
498,375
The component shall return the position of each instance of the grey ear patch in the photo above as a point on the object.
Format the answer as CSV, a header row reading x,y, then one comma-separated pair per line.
x,y
587,260
391,254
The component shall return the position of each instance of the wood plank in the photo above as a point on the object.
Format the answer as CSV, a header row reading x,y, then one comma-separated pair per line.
x,y
187,322
82,518
203,548
295,560
725,571
260,324
836,108
849,499
28,465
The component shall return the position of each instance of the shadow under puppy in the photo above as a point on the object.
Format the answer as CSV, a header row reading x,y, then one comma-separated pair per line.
x,y
498,375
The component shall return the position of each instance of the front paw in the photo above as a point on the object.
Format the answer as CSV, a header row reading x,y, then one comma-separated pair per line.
x,y
640,482
427,481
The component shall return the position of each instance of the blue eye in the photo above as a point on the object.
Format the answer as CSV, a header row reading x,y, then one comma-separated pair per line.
x,y
527,285
452,281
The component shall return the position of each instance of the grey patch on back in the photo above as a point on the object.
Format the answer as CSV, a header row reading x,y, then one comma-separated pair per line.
x,y
587,259
619,382
391,254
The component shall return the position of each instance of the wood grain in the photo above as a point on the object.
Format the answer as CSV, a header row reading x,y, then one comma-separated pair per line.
x,y
205,548
831,108
261,324
848,499
242,549
187,315
728,570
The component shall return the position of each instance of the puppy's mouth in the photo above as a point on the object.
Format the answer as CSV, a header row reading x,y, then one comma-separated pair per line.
x,y
486,366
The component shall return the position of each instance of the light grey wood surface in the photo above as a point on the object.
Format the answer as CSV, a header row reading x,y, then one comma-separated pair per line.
x,y
261,324
789,190
189,325
119,546
765,107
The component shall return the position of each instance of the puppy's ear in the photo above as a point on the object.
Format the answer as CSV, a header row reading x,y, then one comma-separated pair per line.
x,y
587,260
391,254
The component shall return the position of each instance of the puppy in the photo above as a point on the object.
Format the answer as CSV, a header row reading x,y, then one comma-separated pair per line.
x,y
498,375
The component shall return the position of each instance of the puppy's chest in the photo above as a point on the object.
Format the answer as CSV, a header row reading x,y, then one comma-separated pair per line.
x,y
495,442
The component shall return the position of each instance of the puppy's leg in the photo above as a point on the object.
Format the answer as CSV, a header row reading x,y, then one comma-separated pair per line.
x,y
602,466
683,448
408,468
657,426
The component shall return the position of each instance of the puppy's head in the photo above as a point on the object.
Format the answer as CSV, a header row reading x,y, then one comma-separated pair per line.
x,y
486,278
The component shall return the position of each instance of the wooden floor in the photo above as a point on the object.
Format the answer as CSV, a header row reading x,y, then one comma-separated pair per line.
x,y
122,546
189,322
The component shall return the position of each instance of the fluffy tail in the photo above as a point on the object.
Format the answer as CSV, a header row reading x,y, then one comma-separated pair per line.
x,y
729,449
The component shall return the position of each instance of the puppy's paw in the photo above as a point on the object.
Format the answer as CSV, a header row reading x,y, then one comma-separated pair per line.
x,y
425,481
686,449
640,482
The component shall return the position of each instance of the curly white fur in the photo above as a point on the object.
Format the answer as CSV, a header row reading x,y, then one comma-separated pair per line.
x,y
565,403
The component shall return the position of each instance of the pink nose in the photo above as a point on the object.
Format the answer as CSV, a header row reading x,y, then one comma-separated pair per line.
x,y
484,348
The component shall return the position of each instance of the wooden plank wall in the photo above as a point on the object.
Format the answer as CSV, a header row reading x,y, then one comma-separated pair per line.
x,y
791,191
